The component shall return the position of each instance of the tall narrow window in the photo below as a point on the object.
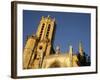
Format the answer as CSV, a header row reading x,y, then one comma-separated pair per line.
x,y
41,30
48,30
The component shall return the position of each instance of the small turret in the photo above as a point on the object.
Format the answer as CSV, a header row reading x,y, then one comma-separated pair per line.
x,y
42,17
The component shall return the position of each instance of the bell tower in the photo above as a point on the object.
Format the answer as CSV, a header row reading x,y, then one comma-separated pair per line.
x,y
45,34
45,28
43,46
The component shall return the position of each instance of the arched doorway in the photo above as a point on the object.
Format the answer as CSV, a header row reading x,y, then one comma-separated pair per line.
x,y
55,64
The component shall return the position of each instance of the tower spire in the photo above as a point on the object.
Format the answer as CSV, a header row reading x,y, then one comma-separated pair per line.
x,y
57,49
48,16
71,54
70,49
80,48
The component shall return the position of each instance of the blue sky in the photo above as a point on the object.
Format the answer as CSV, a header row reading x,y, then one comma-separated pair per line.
x,y
70,28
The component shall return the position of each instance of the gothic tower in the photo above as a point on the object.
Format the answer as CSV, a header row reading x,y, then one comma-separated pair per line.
x,y
39,46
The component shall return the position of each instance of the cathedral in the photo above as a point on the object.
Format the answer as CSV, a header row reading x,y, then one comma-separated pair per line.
x,y
39,52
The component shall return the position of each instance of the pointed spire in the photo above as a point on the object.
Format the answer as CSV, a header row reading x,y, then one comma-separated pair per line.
x,y
71,54
80,48
48,16
70,49
57,49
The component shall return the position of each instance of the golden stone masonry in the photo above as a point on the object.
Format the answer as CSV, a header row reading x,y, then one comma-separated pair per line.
x,y
39,52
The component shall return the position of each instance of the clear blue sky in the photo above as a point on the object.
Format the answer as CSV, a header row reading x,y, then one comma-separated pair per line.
x,y
70,28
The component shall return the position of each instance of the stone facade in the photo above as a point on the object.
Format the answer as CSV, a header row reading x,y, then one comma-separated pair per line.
x,y
39,52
